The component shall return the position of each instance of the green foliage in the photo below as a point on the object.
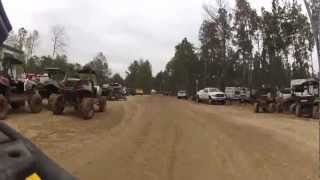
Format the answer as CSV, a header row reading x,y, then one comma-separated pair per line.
x,y
183,68
139,75
116,78
243,49
38,64
100,65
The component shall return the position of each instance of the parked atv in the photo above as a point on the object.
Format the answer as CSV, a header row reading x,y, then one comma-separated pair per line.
x,y
284,100
50,83
15,91
264,100
307,102
82,93
114,91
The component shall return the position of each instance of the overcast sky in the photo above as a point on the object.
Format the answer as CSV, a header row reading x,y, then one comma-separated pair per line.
x,y
123,30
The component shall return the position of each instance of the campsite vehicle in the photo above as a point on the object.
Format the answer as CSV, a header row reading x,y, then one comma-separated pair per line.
x,y
139,92
153,92
182,94
306,93
114,91
131,92
237,93
14,90
264,100
211,95
50,82
284,100
82,93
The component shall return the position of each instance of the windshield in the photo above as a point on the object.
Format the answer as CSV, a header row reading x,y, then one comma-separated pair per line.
x,y
89,77
213,90
56,75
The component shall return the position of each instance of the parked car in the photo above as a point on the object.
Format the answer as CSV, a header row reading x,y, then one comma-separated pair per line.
x,y
211,95
182,94
153,92
131,92
139,92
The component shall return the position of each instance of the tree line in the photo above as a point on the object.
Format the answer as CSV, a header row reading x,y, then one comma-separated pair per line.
x,y
238,47
28,42
241,47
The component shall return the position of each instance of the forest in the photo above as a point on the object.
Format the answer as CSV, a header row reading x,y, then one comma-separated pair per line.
x,y
239,46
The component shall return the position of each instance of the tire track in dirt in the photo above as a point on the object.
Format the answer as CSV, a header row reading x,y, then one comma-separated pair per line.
x,y
161,138
262,148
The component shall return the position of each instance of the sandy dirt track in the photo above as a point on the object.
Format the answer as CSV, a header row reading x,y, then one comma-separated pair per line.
x,y
162,138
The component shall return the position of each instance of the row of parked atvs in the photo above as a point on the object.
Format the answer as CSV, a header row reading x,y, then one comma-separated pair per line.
x,y
82,93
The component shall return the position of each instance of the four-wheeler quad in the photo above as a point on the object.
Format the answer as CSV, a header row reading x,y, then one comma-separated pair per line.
x,y
15,91
114,91
307,93
285,99
82,93
264,100
50,82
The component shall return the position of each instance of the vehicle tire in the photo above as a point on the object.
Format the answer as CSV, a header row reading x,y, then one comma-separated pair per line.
x,y
279,108
292,108
57,104
4,107
102,103
50,100
197,99
87,108
298,110
315,112
210,101
256,107
223,103
17,105
271,108
35,103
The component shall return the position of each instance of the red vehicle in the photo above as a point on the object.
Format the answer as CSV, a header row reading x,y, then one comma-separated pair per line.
x,y
16,91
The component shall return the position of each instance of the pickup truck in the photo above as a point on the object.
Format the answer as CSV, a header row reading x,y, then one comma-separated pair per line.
x,y
182,94
211,95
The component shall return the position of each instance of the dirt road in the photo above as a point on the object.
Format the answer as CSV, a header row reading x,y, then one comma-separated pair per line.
x,y
161,138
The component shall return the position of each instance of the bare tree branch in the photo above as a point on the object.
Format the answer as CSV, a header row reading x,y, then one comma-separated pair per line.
x,y
32,43
59,38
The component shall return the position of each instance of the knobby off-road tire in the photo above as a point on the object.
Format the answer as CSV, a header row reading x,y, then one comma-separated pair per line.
x,y
57,104
210,101
271,108
35,103
50,101
279,108
87,108
298,110
4,107
198,99
315,112
256,107
102,103
292,108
